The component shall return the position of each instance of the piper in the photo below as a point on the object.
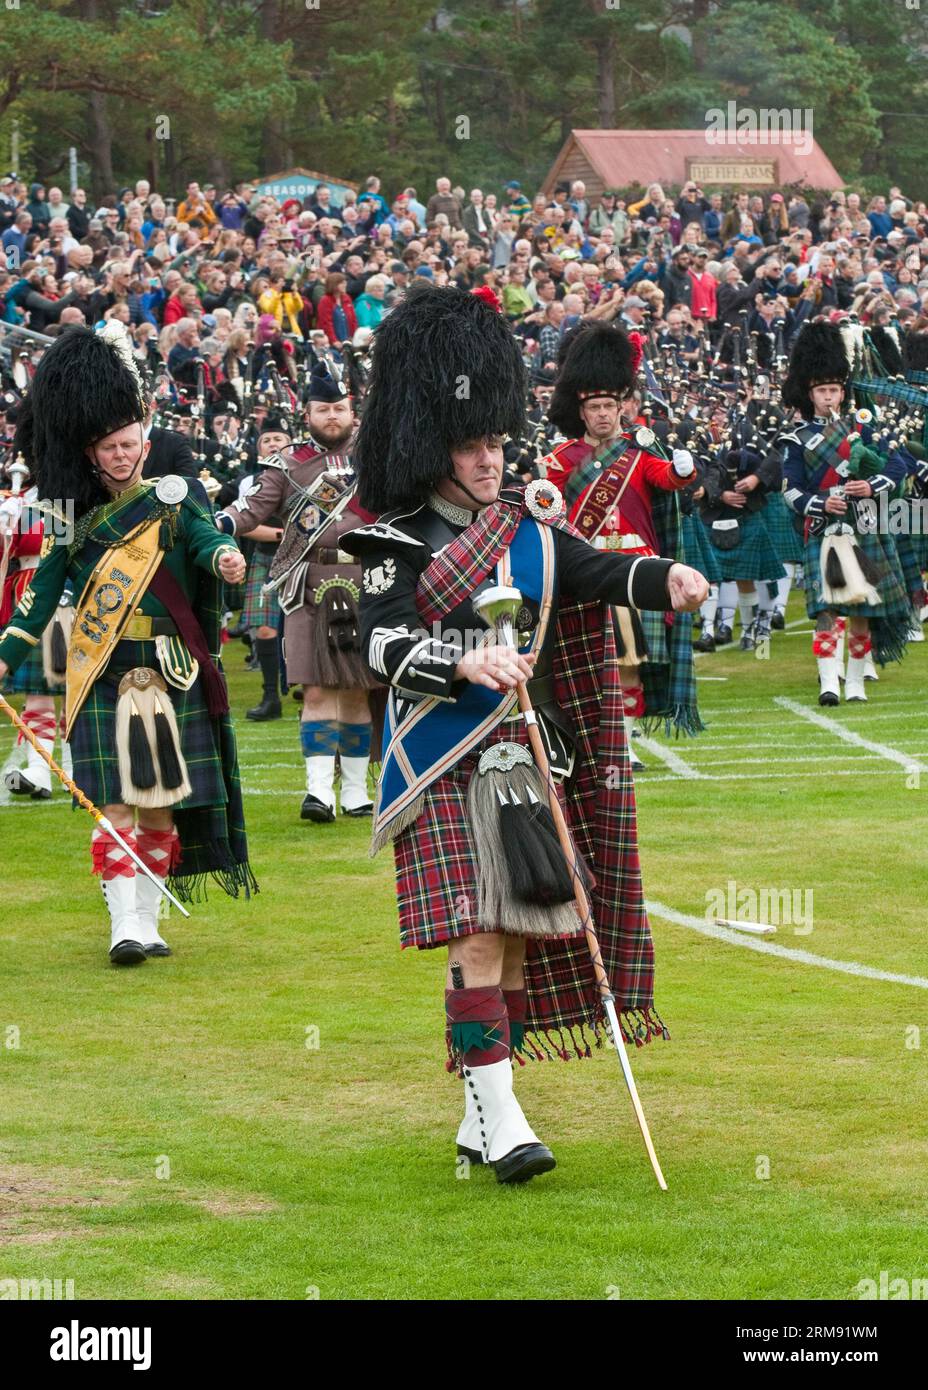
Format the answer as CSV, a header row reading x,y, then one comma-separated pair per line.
x,y
479,868
146,702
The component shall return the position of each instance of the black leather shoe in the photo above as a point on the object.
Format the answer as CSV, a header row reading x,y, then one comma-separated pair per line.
x,y
722,635
474,1155
157,950
18,783
269,708
359,811
705,643
128,953
778,622
828,697
314,809
523,1163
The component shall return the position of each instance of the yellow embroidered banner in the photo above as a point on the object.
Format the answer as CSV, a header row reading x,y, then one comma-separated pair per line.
x,y
108,602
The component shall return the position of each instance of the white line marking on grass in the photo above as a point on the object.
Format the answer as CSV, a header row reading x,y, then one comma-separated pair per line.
x,y
807,758
648,778
668,756
771,948
758,712
712,678
822,721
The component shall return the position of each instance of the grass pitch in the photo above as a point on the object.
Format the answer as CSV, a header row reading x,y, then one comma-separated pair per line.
x,y
266,1114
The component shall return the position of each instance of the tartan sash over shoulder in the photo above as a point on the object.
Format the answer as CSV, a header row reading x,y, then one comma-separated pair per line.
x,y
435,734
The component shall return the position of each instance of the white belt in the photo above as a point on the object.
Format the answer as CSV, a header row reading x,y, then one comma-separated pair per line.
x,y
613,542
29,562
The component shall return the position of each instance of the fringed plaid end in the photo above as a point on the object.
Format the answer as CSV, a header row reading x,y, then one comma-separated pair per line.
x,y
682,719
638,1026
233,879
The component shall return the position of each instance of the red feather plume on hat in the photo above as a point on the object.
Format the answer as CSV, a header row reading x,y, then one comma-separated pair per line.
x,y
637,344
489,296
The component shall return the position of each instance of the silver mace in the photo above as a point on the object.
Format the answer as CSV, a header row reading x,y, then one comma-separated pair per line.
x,y
84,801
497,607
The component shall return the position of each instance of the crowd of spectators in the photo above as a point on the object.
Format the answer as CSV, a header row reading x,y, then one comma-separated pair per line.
x,y
223,274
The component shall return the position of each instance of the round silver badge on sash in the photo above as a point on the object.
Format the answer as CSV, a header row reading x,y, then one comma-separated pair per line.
x,y
644,437
171,489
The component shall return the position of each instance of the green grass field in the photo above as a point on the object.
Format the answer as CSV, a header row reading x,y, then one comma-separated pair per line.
x,y
167,1132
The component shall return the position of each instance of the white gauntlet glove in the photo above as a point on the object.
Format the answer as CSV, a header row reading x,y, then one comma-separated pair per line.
x,y
683,464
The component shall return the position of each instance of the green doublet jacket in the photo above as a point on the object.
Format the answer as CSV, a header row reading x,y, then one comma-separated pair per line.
x,y
192,559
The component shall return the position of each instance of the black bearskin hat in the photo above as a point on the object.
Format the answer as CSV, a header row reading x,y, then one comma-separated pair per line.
x,y
83,389
818,358
915,352
886,343
445,369
595,360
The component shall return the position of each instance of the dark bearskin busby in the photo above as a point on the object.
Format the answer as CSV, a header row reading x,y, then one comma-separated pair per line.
x,y
595,359
445,369
84,388
915,352
885,342
818,358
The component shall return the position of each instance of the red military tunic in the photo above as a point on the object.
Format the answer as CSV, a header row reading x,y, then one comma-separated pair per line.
x,y
628,526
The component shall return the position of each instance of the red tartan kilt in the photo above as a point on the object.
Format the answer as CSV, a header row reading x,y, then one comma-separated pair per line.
x,y
436,869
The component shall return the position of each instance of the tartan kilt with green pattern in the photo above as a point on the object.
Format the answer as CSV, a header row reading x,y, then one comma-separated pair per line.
x,y
654,628
260,609
882,552
209,821
698,550
29,679
754,557
786,540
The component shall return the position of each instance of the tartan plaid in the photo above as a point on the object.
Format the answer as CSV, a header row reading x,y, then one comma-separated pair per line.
x,y
466,562
670,686
828,451
435,861
754,556
910,561
889,623
655,630
698,550
259,609
786,540
210,821
29,678
883,389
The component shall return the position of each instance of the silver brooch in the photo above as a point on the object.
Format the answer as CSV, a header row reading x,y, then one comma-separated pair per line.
x,y
171,489
544,500
644,437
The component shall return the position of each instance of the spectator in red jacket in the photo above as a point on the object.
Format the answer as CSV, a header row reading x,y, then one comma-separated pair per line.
x,y
703,300
335,312
183,303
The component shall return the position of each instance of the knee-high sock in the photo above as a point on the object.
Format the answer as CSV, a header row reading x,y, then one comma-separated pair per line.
x,y
43,724
709,610
354,755
784,585
517,1009
767,600
728,599
478,1025
269,661
746,608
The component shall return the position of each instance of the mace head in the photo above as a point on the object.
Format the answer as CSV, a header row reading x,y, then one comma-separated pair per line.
x,y
498,606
